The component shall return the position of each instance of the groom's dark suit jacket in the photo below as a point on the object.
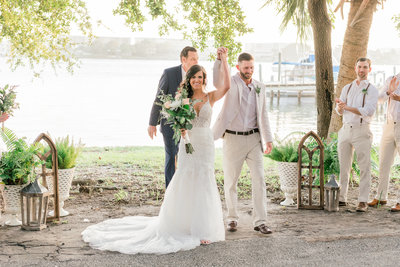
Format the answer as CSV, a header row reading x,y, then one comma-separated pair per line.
x,y
169,83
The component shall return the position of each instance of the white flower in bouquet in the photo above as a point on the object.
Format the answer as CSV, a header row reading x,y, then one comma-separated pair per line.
x,y
176,103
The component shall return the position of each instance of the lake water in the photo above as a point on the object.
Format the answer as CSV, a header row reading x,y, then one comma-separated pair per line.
x,y
107,102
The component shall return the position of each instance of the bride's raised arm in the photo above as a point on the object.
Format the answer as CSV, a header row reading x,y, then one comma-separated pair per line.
x,y
221,76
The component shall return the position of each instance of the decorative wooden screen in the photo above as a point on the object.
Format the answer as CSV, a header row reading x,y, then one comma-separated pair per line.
x,y
306,179
54,174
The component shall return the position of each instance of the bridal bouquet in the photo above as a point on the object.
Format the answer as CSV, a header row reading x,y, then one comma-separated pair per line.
x,y
179,113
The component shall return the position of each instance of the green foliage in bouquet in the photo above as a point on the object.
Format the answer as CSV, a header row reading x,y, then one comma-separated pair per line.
x,y
180,119
18,163
179,111
67,153
7,99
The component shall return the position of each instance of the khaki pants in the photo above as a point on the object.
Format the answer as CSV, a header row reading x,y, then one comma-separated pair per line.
x,y
389,146
237,149
358,138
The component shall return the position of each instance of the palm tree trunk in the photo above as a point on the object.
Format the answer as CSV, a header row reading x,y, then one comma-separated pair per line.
x,y
321,25
355,45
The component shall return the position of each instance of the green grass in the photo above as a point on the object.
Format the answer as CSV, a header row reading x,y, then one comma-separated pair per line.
x,y
143,169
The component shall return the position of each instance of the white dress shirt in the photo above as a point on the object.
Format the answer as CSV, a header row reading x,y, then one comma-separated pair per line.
x,y
183,73
393,109
355,99
246,119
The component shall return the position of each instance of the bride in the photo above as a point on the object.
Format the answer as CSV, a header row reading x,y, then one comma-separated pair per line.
x,y
191,213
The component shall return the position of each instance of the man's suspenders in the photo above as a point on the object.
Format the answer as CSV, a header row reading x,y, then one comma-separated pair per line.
x,y
363,103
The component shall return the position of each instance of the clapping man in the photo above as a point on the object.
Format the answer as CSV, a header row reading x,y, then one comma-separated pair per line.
x,y
390,141
357,105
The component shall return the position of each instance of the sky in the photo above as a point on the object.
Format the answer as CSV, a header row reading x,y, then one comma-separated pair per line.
x,y
382,35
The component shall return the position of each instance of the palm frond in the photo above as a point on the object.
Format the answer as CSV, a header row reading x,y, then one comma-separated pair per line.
x,y
296,12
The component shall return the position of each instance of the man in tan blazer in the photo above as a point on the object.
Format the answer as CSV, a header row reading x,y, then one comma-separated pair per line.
x,y
244,125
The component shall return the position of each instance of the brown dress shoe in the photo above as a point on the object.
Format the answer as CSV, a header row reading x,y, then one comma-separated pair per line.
x,y
376,202
342,203
362,207
262,228
395,208
232,226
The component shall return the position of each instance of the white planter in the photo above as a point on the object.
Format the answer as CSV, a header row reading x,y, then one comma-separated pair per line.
x,y
288,172
65,177
12,199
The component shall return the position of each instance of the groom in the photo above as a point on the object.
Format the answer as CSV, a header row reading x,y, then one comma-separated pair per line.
x,y
169,83
244,125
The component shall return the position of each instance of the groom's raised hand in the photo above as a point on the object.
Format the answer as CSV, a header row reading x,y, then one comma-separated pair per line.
x,y
269,148
222,51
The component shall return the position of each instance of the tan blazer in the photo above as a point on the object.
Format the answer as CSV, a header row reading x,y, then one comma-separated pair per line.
x,y
230,108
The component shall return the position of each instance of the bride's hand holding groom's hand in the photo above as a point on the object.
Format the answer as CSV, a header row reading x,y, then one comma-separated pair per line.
x,y
222,53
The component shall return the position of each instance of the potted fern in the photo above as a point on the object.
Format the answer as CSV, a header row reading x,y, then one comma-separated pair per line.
x,y
285,154
67,155
16,171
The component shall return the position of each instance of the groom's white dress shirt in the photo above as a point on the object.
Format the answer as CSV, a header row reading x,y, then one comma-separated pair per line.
x,y
246,119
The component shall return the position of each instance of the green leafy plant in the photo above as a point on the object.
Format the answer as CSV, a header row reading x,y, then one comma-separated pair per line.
x,y
67,153
205,23
285,150
18,162
122,196
7,99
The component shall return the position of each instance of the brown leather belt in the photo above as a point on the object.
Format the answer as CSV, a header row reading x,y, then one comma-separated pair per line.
x,y
242,133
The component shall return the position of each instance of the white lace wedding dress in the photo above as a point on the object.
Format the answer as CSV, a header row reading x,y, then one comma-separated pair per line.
x,y
191,210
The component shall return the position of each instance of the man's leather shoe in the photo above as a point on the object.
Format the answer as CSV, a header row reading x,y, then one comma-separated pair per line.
x,y
262,228
232,226
377,202
342,203
395,208
362,207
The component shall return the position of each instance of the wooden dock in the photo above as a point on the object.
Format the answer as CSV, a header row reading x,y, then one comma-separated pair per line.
x,y
290,90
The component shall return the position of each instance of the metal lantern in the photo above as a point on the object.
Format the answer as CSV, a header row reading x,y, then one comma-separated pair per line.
x,y
332,195
34,203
